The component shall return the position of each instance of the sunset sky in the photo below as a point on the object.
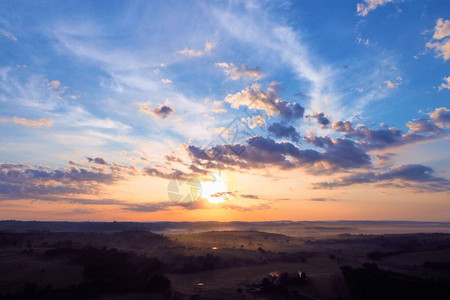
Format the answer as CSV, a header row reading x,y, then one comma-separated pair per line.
x,y
215,110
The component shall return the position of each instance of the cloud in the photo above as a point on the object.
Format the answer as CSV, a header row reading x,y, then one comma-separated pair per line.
x,y
243,71
419,130
261,206
162,112
326,83
158,173
390,84
165,205
262,152
290,111
249,196
414,176
342,126
281,130
441,41
269,101
321,119
442,29
55,84
8,35
442,48
78,211
19,181
363,8
198,53
445,84
423,126
384,159
255,121
166,81
254,98
72,185
27,122
97,160
340,153
209,46
321,199
217,107
441,116
201,203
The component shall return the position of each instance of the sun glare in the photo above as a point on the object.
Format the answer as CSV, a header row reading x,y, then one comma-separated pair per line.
x,y
215,191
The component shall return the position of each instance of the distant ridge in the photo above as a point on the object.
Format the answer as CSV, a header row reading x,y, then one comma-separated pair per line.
x,y
168,226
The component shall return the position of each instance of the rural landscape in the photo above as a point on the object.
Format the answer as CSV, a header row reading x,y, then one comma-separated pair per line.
x,y
310,260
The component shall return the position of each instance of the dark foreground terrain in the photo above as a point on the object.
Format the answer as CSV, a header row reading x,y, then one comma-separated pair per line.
x,y
310,260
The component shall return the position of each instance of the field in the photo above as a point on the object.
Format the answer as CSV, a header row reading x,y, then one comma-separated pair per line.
x,y
224,261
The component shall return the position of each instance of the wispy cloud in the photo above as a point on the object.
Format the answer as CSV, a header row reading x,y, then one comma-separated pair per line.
x,y
445,84
198,53
363,8
28,122
412,176
8,35
243,71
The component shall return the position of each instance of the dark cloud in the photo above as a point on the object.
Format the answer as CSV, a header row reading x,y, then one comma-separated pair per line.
x,y
201,203
281,130
385,158
319,141
370,138
423,126
173,158
290,111
321,199
197,170
259,152
173,174
321,119
78,185
341,153
163,111
97,160
248,196
423,178
441,116
342,126
19,181
223,195
421,129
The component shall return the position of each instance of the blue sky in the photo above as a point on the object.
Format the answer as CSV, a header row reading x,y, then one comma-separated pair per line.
x,y
135,82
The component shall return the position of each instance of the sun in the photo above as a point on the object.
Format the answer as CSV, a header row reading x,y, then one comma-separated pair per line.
x,y
215,191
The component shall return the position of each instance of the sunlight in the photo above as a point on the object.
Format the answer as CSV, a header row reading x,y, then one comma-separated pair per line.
x,y
215,191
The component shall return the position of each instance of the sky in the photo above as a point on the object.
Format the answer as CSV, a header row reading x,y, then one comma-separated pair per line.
x,y
225,110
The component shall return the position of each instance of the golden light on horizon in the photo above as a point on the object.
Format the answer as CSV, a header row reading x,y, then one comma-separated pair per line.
x,y
216,191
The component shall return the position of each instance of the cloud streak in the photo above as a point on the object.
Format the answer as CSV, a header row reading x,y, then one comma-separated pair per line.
x,y
363,8
411,176
8,35
198,53
236,73
28,122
